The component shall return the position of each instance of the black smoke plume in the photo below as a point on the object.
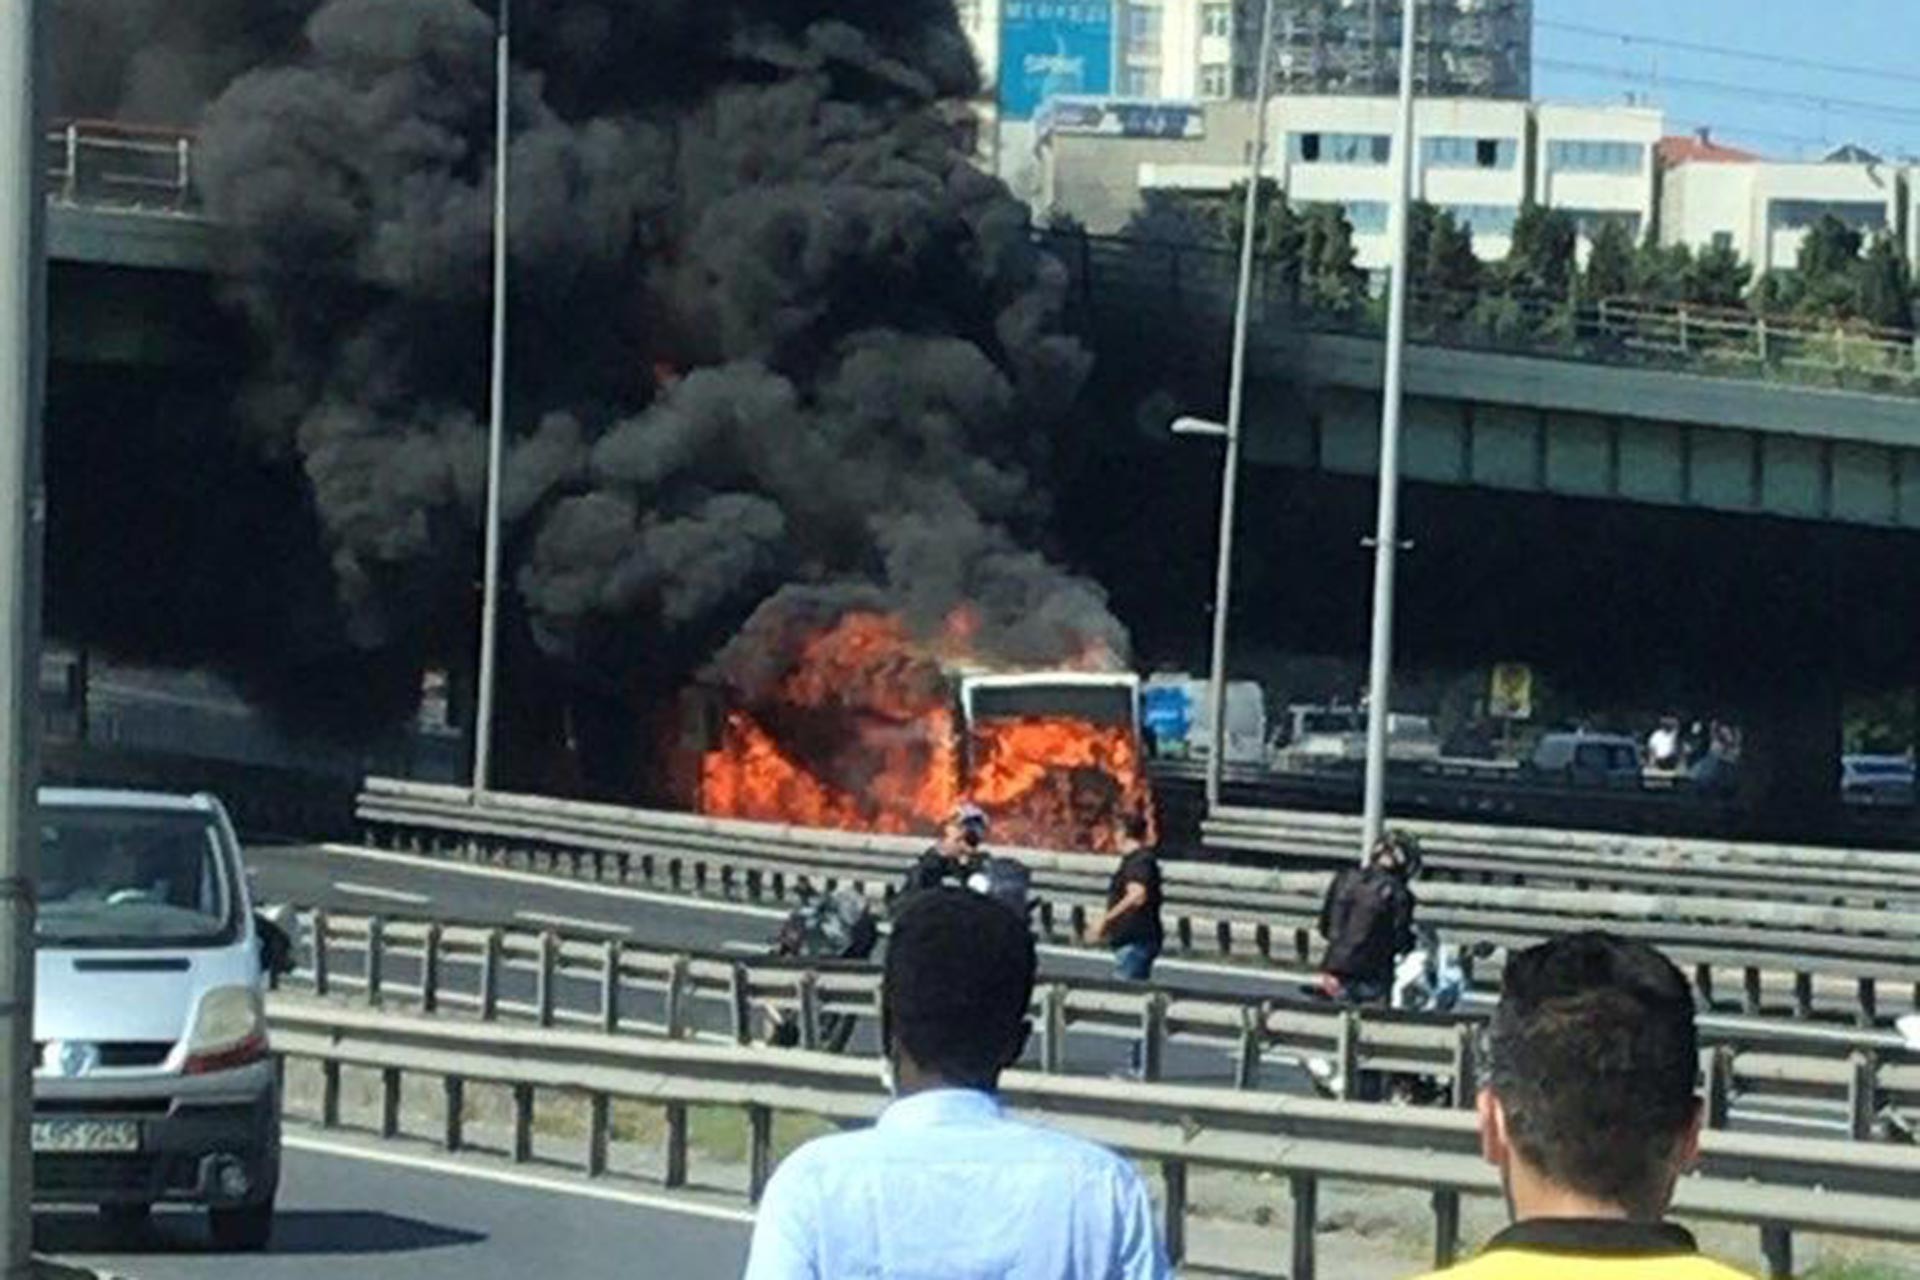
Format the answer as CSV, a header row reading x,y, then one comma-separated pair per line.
x,y
776,344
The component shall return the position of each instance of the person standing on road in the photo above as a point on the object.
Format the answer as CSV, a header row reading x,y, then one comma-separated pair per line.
x,y
1591,1116
1131,925
957,855
1367,920
945,1184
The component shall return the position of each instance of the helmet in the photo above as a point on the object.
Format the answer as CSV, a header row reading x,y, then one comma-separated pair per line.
x,y
1401,853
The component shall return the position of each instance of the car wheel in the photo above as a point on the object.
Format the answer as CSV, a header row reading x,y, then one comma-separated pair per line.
x,y
243,1229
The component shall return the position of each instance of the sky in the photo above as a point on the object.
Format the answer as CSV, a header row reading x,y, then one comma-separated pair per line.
x,y
1823,72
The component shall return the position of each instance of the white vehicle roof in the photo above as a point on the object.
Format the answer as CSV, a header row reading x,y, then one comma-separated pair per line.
x,y
1054,679
112,798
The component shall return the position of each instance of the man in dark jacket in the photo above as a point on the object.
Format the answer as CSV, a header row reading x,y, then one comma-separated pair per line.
x,y
956,856
1367,920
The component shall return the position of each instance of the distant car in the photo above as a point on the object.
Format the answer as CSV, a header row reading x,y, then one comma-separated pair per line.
x,y
152,1081
1877,781
1587,760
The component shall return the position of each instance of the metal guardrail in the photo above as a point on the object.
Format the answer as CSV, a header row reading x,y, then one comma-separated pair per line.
x,y
1231,910
467,970
1200,280
1473,853
99,162
1780,1185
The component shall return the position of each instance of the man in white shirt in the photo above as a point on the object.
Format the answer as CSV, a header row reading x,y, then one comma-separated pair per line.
x,y
945,1186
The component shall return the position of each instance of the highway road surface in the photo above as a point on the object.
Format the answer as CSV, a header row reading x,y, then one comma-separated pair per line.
x,y
349,1209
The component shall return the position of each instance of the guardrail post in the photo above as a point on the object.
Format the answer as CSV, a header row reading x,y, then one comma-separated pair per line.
x,y
1869,1011
1263,941
1077,918
1246,1062
71,188
738,1003
1760,338
1750,990
490,976
754,888
1776,1245
676,1171
376,955
1347,1055
1802,995
1306,1220
1717,1066
1683,331
1174,1172
1183,931
1703,984
430,971
1223,931
1466,1082
454,1114
610,958
1046,917
806,990
522,1123
759,1151
330,1093
679,997
321,942
599,1122
1153,1035
389,1102
1446,1228
1053,1029
183,171
1863,1095
543,978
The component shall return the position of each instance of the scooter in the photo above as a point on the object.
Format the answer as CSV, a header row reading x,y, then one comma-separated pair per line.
x,y
825,926
1429,978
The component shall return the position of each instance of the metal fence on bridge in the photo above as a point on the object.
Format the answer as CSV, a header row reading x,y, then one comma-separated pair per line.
x,y
101,163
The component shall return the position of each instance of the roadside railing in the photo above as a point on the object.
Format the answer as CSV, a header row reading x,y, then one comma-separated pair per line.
x,y
1779,1185
1808,955
99,162
618,986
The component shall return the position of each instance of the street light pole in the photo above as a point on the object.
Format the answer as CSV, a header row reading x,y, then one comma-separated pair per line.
x,y
496,420
22,515
1387,529
1236,403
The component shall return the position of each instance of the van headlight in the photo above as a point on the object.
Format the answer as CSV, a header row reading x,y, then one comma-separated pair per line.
x,y
229,1030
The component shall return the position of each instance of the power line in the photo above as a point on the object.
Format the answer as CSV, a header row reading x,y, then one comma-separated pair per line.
x,y
1890,112
1750,55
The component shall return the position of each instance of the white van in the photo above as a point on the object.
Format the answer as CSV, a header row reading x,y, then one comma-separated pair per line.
x,y
152,1082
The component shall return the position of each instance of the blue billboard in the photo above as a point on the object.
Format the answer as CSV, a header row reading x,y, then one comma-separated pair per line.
x,y
1050,47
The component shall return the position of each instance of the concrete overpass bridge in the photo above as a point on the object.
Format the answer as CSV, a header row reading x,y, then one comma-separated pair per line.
x,y
1630,499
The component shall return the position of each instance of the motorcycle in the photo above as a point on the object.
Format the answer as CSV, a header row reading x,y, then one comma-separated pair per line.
x,y
1429,978
825,926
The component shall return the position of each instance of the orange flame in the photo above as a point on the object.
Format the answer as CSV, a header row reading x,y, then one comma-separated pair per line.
x,y
873,708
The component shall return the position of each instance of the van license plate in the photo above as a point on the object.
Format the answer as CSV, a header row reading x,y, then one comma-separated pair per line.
x,y
85,1135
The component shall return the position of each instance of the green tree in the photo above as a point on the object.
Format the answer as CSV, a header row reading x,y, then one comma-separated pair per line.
x,y
1661,271
1542,257
1329,276
1829,269
1448,262
1886,287
1276,232
1609,270
1172,217
1718,278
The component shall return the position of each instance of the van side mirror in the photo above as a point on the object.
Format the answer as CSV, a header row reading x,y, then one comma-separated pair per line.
x,y
276,948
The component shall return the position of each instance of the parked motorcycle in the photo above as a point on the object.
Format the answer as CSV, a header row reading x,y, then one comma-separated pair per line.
x,y
1429,978
825,926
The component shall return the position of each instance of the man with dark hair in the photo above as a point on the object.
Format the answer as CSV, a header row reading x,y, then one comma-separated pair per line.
x,y
1131,924
945,1184
1590,1114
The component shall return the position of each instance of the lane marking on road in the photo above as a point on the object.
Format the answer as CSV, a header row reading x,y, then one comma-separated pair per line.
x,y
557,1185
375,891
571,922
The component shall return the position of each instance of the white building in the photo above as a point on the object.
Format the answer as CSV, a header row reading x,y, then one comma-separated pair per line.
x,y
1597,164
1762,209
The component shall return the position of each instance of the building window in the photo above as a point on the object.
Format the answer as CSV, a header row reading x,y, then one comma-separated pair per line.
x,y
1861,215
1366,217
1467,153
1576,156
1339,148
1589,221
1216,19
1485,219
1140,82
1143,29
1215,80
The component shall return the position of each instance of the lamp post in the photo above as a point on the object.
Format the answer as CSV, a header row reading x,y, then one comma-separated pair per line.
x,y
1230,429
22,514
496,420
1386,540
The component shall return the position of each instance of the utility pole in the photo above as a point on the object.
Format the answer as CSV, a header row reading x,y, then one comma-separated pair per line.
x,y
1386,547
22,517
496,419
1236,404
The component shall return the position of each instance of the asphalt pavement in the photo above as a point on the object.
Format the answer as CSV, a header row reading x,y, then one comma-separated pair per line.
x,y
349,1210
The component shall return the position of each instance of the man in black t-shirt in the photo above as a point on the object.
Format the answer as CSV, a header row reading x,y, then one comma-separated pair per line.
x,y
1131,925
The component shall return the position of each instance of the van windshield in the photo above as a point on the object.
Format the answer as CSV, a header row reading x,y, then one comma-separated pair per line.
x,y
131,877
